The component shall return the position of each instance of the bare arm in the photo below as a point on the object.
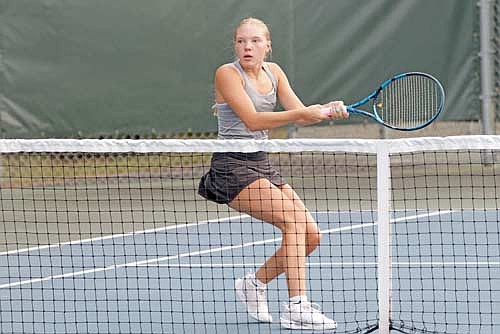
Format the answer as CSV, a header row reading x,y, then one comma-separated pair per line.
x,y
286,95
289,100
229,86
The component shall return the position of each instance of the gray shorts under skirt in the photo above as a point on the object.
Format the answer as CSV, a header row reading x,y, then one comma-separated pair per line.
x,y
231,172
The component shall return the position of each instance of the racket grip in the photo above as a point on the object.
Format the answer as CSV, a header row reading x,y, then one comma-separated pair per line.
x,y
327,112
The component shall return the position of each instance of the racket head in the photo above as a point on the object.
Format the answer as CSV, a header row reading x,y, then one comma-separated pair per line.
x,y
409,101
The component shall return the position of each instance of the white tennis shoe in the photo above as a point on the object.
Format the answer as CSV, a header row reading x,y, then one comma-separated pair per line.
x,y
254,298
305,315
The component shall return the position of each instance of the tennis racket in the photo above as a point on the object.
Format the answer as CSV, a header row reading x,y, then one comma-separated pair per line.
x,y
406,102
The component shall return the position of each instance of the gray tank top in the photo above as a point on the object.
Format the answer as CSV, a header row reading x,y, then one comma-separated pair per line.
x,y
230,125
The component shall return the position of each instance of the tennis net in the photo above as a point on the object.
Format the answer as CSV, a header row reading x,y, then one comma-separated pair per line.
x,y
111,236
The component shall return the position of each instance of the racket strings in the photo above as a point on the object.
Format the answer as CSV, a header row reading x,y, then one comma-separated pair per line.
x,y
409,102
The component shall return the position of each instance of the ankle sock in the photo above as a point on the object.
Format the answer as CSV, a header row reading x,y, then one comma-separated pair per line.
x,y
256,282
298,299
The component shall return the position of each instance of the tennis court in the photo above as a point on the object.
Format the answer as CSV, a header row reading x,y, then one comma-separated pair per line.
x,y
119,283
120,242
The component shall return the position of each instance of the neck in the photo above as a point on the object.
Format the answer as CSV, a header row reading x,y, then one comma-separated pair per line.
x,y
253,70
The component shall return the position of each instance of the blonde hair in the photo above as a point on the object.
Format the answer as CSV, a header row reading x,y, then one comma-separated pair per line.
x,y
253,20
258,22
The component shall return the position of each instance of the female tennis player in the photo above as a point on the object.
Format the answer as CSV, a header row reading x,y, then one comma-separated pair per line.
x,y
246,92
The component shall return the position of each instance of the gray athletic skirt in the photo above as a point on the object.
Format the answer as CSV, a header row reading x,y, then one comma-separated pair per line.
x,y
231,172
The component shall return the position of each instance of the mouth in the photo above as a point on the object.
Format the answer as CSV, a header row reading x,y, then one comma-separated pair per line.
x,y
247,57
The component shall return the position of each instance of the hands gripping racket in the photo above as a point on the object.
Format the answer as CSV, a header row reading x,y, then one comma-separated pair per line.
x,y
408,101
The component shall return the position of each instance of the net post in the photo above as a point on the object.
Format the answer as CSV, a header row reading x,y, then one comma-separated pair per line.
x,y
384,237
487,73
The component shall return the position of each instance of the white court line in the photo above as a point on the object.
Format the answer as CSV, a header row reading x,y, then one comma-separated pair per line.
x,y
130,234
122,235
256,265
141,232
339,229
334,264
448,263
207,251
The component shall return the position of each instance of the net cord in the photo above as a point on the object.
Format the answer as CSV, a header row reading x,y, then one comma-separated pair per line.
x,y
274,145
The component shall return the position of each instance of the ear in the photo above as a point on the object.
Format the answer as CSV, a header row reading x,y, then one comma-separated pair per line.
x,y
269,47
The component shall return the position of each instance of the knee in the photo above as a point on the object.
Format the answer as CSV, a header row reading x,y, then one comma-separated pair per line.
x,y
294,222
294,227
314,239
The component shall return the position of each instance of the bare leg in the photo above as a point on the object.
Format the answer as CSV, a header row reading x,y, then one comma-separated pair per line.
x,y
284,209
274,265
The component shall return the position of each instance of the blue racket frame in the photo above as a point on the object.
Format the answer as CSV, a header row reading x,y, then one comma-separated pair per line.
x,y
352,108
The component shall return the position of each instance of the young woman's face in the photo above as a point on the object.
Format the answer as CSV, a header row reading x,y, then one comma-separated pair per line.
x,y
251,44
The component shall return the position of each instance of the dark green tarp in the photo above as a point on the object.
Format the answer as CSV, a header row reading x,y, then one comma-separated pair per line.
x,y
91,67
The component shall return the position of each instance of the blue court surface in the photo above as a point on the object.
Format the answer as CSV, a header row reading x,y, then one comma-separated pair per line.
x,y
180,279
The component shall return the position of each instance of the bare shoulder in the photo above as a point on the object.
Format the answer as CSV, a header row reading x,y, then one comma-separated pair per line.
x,y
226,69
276,70
273,66
227,77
